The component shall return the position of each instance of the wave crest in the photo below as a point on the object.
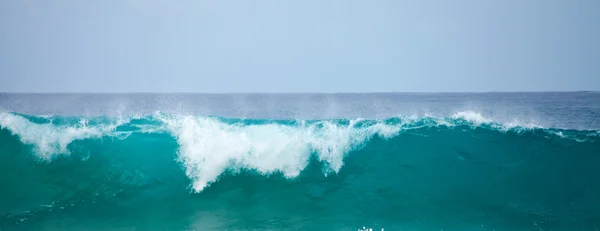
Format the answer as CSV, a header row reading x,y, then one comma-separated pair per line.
x,y
209,146
48,139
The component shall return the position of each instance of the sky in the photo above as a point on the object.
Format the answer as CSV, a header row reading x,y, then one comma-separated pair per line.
x,y
299,46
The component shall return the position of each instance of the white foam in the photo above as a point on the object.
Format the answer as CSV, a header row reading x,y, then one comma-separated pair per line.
x,y
208,147
477,119
49,139
472,117
515,123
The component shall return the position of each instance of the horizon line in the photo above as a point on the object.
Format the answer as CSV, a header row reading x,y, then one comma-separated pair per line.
x,y
298,93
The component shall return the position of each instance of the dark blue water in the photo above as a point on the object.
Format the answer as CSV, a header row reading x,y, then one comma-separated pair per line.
x,y
444,161
575,110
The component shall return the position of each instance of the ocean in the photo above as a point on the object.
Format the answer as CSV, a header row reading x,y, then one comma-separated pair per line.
x,y
380,161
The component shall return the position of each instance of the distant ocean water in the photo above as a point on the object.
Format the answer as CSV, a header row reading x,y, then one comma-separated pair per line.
x,y
388,161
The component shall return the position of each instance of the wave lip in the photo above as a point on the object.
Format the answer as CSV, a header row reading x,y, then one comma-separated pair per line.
x,y
48,139
208,147
477,119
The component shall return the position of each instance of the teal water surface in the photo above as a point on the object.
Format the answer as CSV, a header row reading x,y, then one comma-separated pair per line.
x,y
166,171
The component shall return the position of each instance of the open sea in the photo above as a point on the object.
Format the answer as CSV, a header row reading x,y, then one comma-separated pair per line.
x,y
381,161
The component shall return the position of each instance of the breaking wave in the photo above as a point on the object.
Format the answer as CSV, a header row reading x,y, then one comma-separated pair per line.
x,y
208,146
69,162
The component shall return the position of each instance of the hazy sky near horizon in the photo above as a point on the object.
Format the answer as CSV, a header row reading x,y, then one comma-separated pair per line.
x,y
299,46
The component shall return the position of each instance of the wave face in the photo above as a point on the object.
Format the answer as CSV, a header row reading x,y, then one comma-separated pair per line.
x,y
174,172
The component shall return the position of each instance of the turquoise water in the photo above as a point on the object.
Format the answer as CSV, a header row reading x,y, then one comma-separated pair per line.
x,y
183,171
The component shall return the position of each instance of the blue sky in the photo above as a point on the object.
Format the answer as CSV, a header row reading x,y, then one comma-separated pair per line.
x,y
299,46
